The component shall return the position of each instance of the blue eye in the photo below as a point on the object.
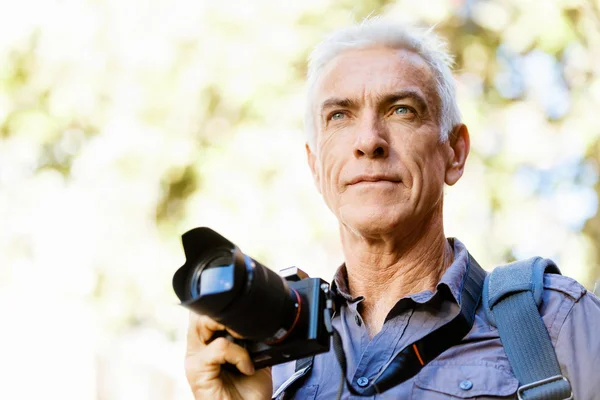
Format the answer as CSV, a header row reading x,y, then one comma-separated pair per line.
x,y
401,110
337,115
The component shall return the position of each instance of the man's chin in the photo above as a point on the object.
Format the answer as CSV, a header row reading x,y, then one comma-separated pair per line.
x,y
372,222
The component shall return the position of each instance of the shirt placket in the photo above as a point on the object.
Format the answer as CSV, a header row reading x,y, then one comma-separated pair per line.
x,y
380,349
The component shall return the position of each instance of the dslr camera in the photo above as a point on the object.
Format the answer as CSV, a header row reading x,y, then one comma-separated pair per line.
x,y
280,318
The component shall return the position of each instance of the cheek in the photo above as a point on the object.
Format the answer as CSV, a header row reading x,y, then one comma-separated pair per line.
x,y
423,161
330,175
432,177
330,178
423,176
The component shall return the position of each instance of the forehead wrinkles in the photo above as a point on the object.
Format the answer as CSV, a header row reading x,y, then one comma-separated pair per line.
x,y
367,73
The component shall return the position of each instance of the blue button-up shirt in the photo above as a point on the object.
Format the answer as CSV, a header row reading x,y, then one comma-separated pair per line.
x,y
477,367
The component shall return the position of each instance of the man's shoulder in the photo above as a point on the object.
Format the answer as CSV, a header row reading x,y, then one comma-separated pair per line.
x,y
561,300
561,286
572,315
556,287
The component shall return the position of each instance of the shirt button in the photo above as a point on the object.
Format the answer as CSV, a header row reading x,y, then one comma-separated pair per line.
x,y
357,319
362,381
466,385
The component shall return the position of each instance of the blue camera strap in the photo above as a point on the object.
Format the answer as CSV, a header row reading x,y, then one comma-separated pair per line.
x,y
512,295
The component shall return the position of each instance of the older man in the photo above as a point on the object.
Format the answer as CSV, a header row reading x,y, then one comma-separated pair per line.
x,y
384,136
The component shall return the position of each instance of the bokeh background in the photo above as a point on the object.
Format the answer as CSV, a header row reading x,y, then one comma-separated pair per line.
x,y
124,123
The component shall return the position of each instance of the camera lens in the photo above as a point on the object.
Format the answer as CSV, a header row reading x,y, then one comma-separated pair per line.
x,y
216,274
220,281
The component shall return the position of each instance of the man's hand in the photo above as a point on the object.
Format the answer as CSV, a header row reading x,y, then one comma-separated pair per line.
x,y
203,365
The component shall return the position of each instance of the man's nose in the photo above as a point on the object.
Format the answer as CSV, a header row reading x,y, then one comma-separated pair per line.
x,y
371,139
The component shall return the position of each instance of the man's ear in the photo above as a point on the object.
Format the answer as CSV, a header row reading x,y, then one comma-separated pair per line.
x,y
312,163
460,144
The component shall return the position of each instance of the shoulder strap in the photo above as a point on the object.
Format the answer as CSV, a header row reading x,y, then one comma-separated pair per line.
x,y
512,295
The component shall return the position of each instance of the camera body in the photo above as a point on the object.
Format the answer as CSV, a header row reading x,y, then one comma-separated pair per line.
x,y
306,340
281,318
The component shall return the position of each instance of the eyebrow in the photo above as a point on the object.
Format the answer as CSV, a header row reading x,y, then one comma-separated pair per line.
x,y
385,99
404,94
338,102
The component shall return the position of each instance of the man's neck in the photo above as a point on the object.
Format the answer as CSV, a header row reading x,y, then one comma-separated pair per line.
x,y
385,270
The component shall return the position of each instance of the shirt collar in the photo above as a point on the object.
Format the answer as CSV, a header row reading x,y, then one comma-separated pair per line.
x,y
453,278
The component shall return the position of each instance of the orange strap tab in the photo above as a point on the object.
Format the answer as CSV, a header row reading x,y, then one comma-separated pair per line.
x,y
417,353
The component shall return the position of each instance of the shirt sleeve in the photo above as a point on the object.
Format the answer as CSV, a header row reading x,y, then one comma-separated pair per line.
x,y
578,347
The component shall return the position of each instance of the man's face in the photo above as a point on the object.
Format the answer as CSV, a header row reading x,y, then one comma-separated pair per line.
x,y
378,161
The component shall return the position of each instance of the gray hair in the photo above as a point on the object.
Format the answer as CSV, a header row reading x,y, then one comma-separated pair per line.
x,y
378,31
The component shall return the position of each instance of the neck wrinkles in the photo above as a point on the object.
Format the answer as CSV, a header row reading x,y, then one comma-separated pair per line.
x,y
387,269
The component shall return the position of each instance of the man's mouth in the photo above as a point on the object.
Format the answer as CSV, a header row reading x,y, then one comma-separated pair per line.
x,y
374,178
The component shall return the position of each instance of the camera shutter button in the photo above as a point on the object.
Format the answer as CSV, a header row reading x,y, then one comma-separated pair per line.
x,y
362,381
